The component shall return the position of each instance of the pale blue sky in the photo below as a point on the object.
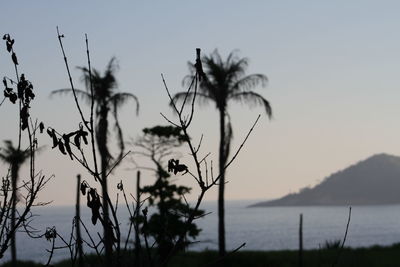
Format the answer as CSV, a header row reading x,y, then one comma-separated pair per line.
x,y
333,69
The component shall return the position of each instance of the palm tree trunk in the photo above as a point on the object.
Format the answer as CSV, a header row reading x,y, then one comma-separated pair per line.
x,y
14,177
106,214
137,238
221,208
104,155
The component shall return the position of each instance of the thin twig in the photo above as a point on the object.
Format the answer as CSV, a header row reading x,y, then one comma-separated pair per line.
x,y
226,255
237,151
117,162
51,252
91,109
187,94
168,120
70,79
344,239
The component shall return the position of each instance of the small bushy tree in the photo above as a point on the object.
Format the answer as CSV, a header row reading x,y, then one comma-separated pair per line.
x,y
168,222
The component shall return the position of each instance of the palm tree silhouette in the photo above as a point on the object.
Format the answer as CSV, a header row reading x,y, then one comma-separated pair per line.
x,y
106,100
15,158
225,82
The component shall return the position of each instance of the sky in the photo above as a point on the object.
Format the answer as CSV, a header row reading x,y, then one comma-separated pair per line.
x,y
332,68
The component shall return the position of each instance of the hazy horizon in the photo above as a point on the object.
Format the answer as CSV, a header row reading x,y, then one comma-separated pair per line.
x,y
332,69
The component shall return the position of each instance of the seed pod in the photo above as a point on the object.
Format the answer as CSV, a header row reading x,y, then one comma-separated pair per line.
x,y
171,165
14,58
41,127
120,186
55,140
145,211
77,141
84,136
83,188
21,88
9,46
67,145
29,93
13,97
61,147
93,202
24,114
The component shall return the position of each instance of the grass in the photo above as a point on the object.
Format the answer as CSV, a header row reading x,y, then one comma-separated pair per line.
x,y
366,257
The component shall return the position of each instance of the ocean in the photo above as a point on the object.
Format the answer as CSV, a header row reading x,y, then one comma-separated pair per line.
x,y
270,228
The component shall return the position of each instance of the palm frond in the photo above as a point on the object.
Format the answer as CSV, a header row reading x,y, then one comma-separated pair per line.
x,y
68,91
253,98
224,72
202,98
85,78
120,99
249,82
103,85
3,158
214,56
233,56
117,127
13,155
236,69
117,100
112,66
187,80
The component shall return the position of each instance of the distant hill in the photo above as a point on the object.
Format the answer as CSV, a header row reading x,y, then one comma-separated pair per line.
x,y
373,181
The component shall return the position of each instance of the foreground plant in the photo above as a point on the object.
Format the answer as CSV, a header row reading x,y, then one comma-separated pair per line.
x,y
168,221
204,177
111,241
14,158
101,93
19,91
224,82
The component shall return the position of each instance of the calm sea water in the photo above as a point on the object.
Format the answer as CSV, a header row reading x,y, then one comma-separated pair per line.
x,y
272,228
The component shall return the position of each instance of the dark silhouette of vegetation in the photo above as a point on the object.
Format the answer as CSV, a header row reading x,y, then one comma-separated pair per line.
x,y
301,241
168,222
375,256
204,178
106,99
332,244
178,216
20,90
340,249
77,221
223,82
15,158
172,226
137,211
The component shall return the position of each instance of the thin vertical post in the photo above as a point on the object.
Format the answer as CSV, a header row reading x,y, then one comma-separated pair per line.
x,y
78,221
137,238
301,241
